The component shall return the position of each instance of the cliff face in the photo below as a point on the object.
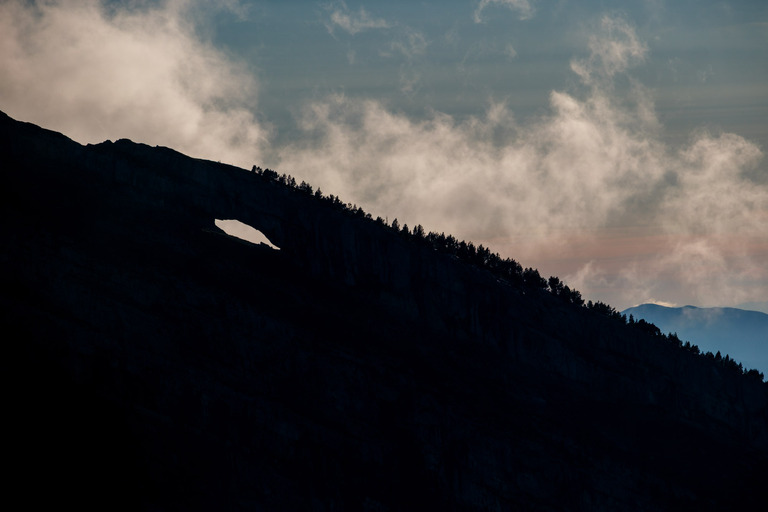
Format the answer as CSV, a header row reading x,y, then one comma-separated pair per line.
x,y
352,369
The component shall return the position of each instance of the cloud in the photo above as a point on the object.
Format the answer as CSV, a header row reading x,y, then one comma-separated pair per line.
x,y
575,169
141,72
614,49
410,45
523,7
699,265
712,193
595,163
704,74
691,222
662,303
407,43
352,23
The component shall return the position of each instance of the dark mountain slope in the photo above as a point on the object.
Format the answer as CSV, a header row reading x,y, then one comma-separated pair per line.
x,y
157,363
741,334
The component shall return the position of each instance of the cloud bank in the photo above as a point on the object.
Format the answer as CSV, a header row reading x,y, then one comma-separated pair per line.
x,y
596,162
590,189
142,73
574,169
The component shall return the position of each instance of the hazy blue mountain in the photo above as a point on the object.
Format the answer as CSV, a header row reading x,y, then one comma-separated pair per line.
x,y
754,306
741,334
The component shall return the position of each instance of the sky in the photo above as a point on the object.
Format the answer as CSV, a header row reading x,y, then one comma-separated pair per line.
x,y
618,145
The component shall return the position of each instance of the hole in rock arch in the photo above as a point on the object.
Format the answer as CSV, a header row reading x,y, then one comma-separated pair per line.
x,y
245,232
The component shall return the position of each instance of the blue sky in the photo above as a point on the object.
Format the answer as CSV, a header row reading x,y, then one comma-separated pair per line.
x,y
619,145
705,60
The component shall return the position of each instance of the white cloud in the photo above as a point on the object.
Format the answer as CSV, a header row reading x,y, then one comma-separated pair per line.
x,y
350,22
573,170
143,74
710,271
523,7
661,303
614,49
712,194
598,160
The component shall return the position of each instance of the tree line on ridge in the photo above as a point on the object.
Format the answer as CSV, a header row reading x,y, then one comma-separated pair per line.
x,y
505,269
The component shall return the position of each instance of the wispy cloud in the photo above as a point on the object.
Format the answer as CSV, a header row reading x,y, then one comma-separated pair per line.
x,y
407,43
614,49
523,7
410,45
141,72
341,17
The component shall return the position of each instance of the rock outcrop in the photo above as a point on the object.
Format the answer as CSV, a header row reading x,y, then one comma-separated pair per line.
x,y
162,364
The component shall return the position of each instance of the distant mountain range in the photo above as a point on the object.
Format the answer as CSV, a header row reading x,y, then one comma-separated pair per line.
x,y
741,334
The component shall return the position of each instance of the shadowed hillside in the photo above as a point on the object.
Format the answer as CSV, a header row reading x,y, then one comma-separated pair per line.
x,y
355,368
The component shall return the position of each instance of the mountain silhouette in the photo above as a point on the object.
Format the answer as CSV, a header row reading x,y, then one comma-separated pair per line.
x,y
154,362
741,334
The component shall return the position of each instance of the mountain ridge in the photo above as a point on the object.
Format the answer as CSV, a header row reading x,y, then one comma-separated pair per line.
x,y
740,333
356,368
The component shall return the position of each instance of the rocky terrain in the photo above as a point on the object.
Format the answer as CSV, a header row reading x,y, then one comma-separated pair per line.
x,y
157,363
